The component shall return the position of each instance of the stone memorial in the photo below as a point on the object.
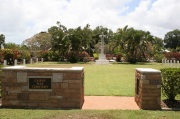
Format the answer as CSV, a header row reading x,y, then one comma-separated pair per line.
x,y
24,61
26,87
102,58
2,47
31,61
15,62
5,62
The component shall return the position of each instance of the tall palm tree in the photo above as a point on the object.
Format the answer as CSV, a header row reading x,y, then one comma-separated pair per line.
x,y
133,43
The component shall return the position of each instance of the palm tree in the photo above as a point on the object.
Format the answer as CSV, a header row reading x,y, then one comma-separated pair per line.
x,y
133,43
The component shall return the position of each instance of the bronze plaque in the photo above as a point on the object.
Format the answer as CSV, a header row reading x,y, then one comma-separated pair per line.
x,y
39,83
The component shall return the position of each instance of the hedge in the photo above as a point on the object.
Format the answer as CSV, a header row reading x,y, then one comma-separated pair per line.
x,y
170,82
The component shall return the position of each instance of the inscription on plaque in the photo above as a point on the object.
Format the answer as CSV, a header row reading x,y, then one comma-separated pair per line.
x,y
39,83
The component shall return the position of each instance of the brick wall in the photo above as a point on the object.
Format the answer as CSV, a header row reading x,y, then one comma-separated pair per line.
x,y
148,88
25,87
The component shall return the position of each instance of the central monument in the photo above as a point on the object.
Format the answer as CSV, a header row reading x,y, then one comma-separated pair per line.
x,y
102,58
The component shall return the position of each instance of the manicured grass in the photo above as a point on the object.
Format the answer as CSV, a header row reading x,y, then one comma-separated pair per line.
x,y
86,114
114,79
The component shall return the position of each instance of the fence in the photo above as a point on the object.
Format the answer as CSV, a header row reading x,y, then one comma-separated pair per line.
x,y
171,63
5,63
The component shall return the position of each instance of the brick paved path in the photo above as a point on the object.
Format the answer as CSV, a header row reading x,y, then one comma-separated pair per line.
x,y
110,102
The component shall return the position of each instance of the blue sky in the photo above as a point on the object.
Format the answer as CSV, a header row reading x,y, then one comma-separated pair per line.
x,y
132,5
21,19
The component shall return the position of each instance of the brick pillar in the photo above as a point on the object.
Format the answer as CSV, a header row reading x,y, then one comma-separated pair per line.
x,y
148,88
27,87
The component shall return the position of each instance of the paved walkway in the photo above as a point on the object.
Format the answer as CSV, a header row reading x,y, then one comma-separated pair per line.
x,y
109,102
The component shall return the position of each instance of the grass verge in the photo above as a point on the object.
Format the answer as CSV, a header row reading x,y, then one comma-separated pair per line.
x,y
86,114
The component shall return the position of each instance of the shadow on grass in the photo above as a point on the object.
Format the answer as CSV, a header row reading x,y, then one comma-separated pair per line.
x,y
138,63
37,108
122,63
67,62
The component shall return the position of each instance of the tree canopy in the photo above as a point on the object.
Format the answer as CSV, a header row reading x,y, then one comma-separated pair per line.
x,y
172,40
2,39
134,45
40,41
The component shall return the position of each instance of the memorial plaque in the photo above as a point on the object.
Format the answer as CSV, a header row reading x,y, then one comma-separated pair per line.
x,y
39,83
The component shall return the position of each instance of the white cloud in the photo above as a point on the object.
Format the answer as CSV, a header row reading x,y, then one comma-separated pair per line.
x,y
21,19
158,17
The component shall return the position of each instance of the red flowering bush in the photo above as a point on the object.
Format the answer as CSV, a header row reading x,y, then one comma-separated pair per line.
x,y
11,54
118,57
172,55
83,55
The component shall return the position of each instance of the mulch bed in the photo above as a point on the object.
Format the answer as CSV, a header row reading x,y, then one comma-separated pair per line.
x,y
170,104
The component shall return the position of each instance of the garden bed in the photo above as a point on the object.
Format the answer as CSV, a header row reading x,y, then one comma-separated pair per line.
x,y
169,104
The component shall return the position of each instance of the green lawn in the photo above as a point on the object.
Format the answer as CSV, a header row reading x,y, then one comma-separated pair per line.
x,y
113,79
86,114
116,79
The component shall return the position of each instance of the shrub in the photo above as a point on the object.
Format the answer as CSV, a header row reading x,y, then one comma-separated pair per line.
x,y
158,57
53,56
170,82
95,55
118,58
83,55
9,56
44,54
24,54
132,60
73,57
172,55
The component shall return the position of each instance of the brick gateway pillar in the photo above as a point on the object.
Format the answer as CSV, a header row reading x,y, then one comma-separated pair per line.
x,y
27,87
148,88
